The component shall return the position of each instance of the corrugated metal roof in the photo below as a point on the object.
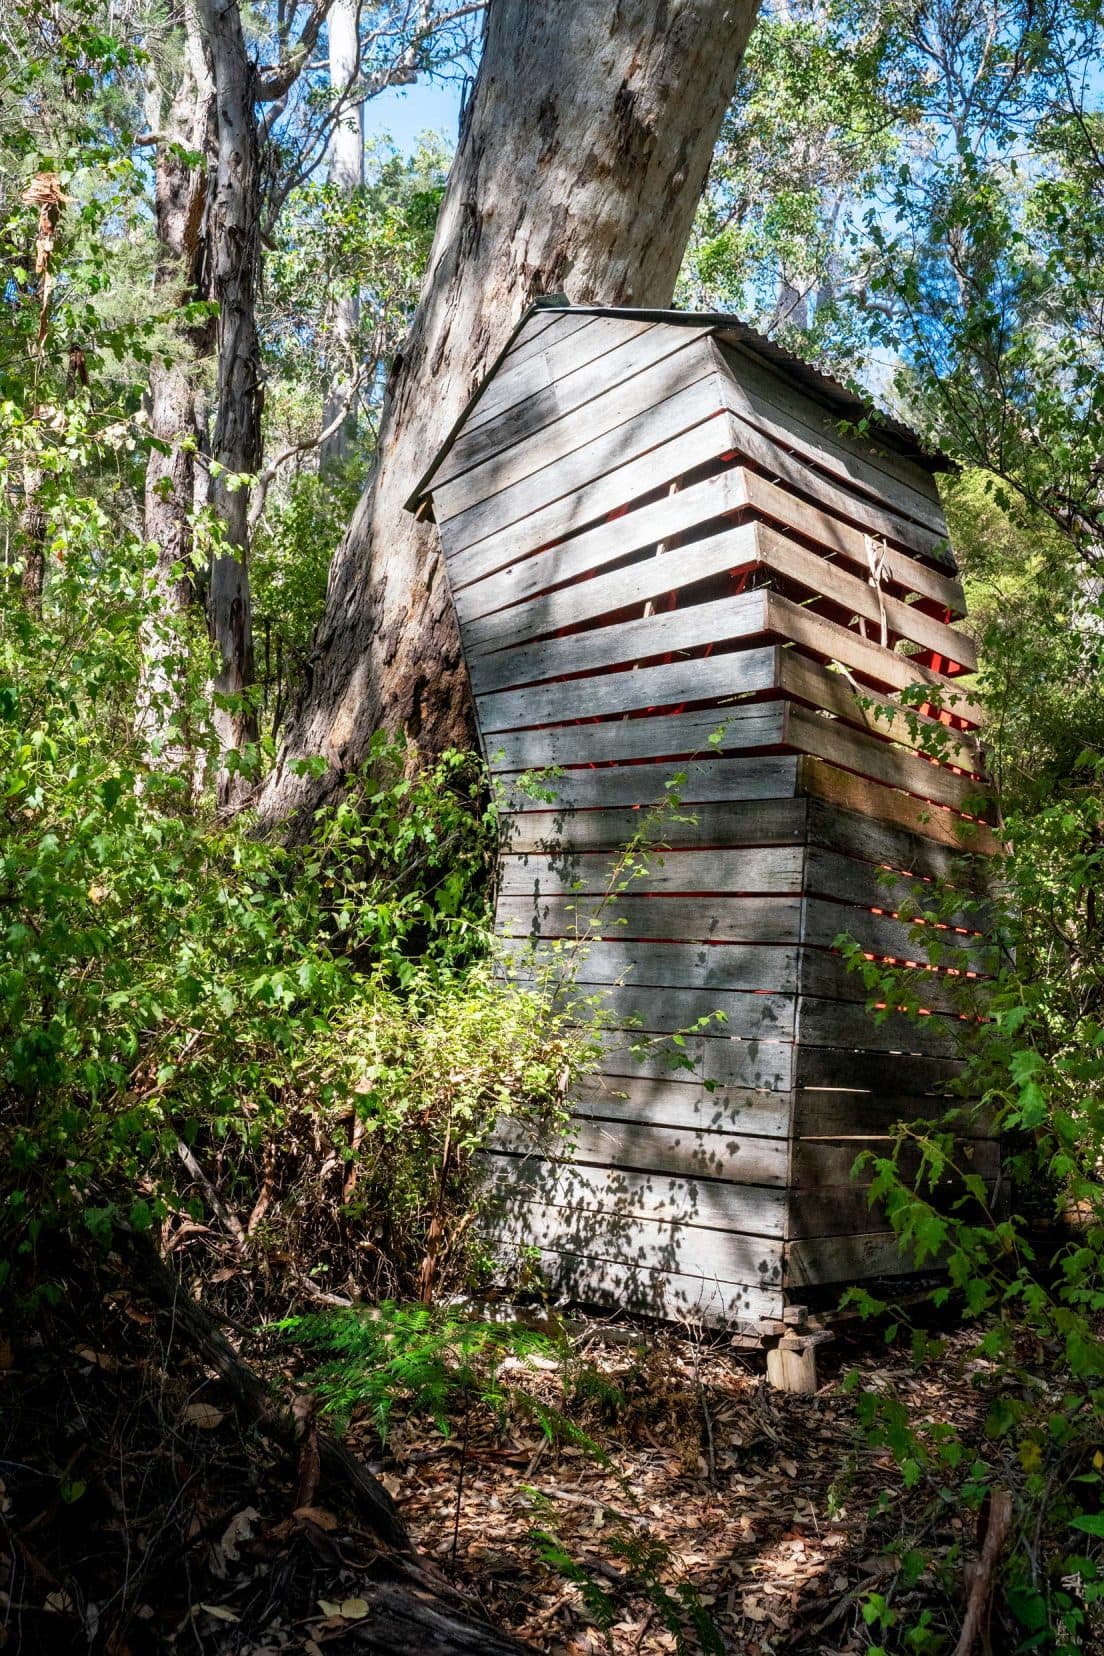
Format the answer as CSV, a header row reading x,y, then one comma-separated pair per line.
x,y
835,396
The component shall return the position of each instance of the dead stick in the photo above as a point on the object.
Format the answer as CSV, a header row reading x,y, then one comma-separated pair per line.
x,y
981,1585
229,1221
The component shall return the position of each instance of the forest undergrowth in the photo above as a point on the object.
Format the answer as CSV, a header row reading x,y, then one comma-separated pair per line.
x,y
259,1386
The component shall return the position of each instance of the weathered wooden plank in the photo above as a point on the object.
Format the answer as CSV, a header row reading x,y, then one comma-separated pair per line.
x,y
651,577
889,938
718,919
719,1060
733,1013
732,730
624,384
530,570
560,352
855,835
567,519
819,575
843,1023
674,965
659,1293
716,730
762,822
690,781
735,966
729,871
827,1163
742,672
618,487
869,516
771,382
814,1260
668,1101
639,1244
831,1111
570,478
825,976
741,616
837,693
792,419
889,807
836,1210
690,1151
847,1066
538,325
834,536
882,761
727,552
756,1210
854,880
884,667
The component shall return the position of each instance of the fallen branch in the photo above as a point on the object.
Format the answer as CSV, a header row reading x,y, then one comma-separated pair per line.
x,y
251,1398
981,1582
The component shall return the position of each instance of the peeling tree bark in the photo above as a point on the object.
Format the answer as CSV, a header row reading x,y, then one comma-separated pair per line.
x,y
586,146
182,276
234,238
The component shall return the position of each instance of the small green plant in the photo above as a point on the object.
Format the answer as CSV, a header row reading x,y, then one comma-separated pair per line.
x,y
431,1359
649,1573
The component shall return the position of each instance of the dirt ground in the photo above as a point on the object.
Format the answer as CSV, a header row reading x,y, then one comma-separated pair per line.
x,y
764,1503
139,1513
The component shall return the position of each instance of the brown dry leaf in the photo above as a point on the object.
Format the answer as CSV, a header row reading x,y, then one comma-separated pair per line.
x,y
316,1515
203,1415
98,1359
60,1603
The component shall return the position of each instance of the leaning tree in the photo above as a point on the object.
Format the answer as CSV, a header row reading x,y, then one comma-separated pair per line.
x,y
583,154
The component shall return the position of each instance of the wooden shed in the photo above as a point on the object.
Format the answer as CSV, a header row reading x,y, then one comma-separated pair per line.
x,y
680,556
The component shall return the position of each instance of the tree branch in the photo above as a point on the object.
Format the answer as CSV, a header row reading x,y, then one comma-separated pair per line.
x,y
277,82
266,478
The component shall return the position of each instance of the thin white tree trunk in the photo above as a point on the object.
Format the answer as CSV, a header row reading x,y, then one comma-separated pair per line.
x,y
588,139
346,173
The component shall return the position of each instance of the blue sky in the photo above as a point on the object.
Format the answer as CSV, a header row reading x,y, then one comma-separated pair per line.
x,y
404,113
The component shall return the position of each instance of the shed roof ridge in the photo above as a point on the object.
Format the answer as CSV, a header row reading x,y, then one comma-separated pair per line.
x,y
810,379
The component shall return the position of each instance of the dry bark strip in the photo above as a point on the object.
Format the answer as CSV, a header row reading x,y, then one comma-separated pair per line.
x,y
981,1581
420,1611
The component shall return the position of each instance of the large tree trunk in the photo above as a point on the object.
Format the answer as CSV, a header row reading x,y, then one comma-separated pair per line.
x,y
180,203
587,143
236,446
346,169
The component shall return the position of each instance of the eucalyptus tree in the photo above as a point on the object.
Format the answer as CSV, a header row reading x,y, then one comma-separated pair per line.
x,y
584,149
253,113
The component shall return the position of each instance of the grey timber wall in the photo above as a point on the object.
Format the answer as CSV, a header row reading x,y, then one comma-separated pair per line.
x,y
672,571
